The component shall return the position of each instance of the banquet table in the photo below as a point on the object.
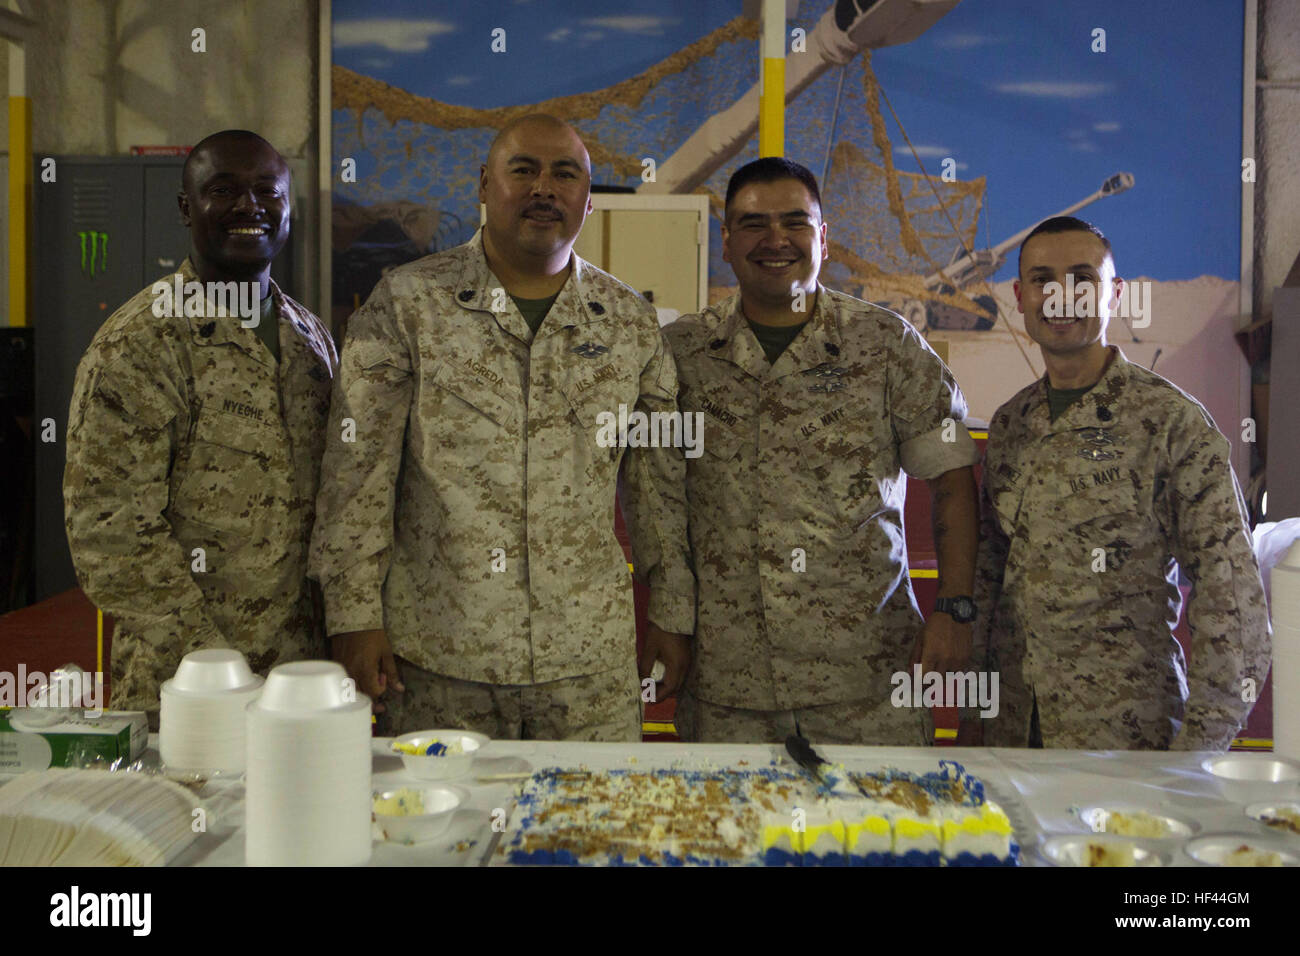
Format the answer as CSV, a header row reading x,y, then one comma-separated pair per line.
x,y
1041,791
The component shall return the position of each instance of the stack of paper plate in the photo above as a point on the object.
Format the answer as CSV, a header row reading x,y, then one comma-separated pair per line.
x,y
202,725
94,818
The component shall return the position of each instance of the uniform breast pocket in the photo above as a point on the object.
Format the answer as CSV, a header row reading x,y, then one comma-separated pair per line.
x,y
607,407
235,475
851,458
464,397
719,444
1098,526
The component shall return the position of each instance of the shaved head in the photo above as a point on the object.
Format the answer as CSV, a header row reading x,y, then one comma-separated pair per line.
x,y
536,185
540,121
234,199
236,138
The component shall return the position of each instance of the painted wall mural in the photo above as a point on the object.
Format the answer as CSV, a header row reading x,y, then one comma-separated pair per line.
x,y
938,142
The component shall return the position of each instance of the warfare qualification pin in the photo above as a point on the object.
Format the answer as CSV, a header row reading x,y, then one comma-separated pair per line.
x,y
590,350
825,370
1096,436
1096,454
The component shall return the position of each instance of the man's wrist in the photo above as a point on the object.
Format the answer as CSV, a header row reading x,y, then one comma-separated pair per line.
x,y
960,608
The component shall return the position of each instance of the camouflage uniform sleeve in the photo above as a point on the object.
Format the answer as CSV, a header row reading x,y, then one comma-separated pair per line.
x,y
922,395
990,563
353,536
115,490
654,507
1227,615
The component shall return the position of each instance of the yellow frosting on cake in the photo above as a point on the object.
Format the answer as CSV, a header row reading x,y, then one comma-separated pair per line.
x,y
775,833
814,833
989,821
876,826
911,829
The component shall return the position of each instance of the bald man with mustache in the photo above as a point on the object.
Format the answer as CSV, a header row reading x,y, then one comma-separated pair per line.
x,y
465,540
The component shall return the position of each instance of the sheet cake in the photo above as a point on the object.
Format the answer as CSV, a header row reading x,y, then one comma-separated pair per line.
x,y
763,817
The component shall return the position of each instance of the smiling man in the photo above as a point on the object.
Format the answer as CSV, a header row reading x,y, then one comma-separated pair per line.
x,y
815,403
1101,481
194,440
466,535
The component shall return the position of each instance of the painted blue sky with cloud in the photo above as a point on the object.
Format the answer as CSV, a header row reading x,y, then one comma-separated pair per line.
x,y
1009,88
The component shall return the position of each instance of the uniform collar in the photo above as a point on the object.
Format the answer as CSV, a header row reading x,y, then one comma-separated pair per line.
x,y
818,342
225,330
578,301
230,330
1099,407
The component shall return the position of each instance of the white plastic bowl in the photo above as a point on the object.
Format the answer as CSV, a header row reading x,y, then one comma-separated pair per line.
x,y
440,803
1097,819
1258,811
212,670
305,686
1247,778
1214,848
1072,849
446,766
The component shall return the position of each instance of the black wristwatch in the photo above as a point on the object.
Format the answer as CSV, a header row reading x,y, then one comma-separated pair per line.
x,y
960,609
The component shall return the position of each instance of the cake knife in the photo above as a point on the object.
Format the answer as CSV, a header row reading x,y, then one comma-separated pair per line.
x,y
801,750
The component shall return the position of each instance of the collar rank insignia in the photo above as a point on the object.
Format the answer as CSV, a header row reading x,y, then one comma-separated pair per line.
x,y
589,350
1096,454
834,385
1096,436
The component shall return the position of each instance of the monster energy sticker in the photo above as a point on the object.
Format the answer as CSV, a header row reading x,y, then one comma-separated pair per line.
x,y
98,245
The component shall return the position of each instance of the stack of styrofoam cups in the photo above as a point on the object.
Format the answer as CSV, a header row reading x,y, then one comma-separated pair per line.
x,y
1285,606
201,725
308,784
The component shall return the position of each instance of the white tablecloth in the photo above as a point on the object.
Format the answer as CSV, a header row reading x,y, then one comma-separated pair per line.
x,y
1041,790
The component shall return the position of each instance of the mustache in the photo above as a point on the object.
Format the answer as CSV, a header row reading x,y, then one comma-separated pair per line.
x,y
541,207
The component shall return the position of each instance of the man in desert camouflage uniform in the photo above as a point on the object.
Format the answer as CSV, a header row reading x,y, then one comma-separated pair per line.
x,y
814,404
1098,478
194,442
467,506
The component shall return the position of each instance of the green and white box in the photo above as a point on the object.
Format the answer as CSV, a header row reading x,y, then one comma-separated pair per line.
x,y
27,745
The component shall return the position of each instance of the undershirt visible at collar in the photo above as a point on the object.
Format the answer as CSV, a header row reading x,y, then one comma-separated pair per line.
x,y
268,329
534,310
1059,399
774,339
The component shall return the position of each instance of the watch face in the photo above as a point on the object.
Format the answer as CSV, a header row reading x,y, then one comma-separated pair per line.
x,y
962,609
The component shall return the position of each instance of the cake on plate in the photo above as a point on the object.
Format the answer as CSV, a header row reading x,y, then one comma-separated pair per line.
x,y
764,817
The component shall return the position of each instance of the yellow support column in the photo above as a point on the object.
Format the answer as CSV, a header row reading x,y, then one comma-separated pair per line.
x,y
771,102
20,183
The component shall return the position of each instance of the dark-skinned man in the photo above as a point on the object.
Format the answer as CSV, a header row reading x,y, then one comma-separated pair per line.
x,y
814,404
195,436
1101,481
465,542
